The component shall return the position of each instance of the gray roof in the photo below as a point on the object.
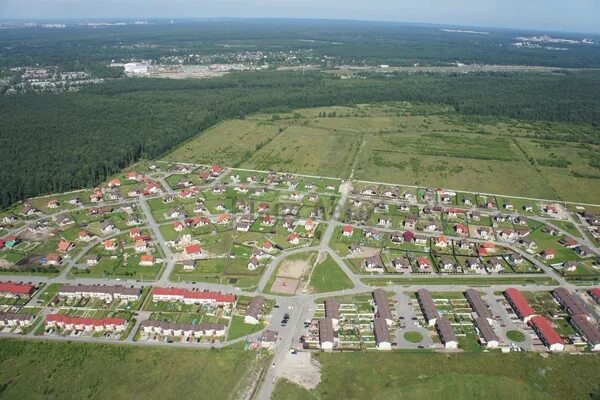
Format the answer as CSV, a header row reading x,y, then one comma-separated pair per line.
x,y
427,305
383,307
269,336
382,334
586,329
444,329
255,307
326,333
332,308
15,316
485,329
477,303
569,301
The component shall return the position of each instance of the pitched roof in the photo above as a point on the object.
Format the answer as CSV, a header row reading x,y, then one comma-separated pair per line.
x,y
382,333
383,307
545,330
189,294
477,303
427,305
332,308
518,301
444,329
16,288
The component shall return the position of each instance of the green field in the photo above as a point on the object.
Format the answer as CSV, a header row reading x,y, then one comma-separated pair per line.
x,y
411,375
327,276
407,143
52,370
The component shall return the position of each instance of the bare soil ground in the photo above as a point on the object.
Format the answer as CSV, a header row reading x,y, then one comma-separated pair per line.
x,y
293,269
301,369
285,285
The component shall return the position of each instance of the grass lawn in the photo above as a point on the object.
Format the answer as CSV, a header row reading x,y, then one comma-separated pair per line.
x,y
73,370
458,376
515,336
413,337
238,328
329,277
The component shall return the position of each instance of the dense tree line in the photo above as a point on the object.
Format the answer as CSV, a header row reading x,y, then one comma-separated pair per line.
x,y
58,142
353,42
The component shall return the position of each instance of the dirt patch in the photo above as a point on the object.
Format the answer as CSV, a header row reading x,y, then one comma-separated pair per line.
x,y
367,252
301,369
285,285
294,269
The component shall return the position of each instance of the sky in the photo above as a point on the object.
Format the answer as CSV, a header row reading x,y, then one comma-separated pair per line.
x,y
551,15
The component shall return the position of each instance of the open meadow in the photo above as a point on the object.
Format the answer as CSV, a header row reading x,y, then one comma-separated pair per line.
x,y
411,144
443,376
54,370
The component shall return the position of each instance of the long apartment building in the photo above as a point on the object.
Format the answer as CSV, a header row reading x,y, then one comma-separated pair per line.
x,y
174,329
193,297
85,324
108,293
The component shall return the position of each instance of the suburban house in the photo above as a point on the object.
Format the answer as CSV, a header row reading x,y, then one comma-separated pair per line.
x,y
109,245
294,239
193,251
548,254
147,260
253,263
254,310
268,339
518,302
401,264
347,231
186,330
189,265
446,334
53,259
92,260
373,264
547,333
64,246
424,264
428,307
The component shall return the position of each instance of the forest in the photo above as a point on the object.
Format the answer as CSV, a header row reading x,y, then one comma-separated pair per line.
x,y
56,142
346,42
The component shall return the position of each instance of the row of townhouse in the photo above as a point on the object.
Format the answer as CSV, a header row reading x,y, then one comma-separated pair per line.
x,y
107,293
85,324
13,289
15,319
174,329
193,297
